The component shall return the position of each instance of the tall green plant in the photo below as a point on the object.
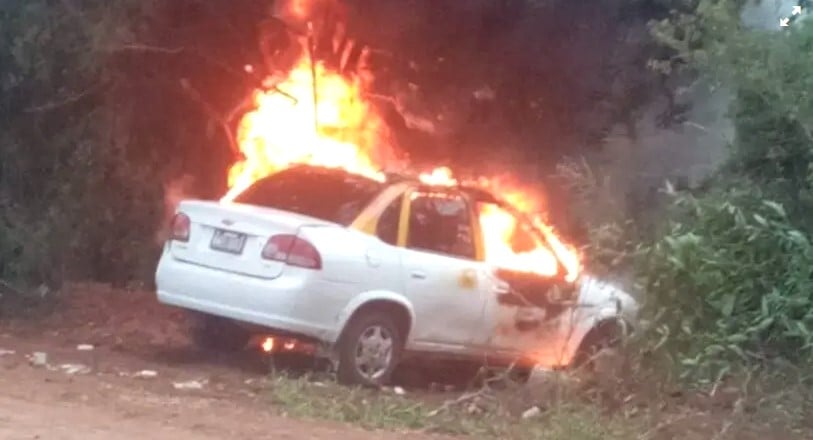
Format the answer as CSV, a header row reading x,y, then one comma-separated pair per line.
x,y
731,284
729,281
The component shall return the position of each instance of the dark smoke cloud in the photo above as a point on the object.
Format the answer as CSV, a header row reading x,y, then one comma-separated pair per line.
x,y
560,72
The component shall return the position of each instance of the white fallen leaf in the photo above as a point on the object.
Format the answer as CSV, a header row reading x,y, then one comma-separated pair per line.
x,y
74,368
399,391
189,385
38,359
84,347
146,374
4,352
531,412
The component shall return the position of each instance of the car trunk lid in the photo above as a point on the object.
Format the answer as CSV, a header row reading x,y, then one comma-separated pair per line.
x,y
231,237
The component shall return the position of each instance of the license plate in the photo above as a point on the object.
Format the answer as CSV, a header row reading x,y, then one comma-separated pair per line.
x,y
228,241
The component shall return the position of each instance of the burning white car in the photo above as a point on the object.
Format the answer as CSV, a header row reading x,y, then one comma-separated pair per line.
x,y
374,273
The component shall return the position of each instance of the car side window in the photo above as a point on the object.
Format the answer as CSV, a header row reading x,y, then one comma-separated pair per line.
x,y
522,238
441,223
388,221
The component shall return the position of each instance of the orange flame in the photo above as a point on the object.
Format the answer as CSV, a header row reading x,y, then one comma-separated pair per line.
x,y
299,8
340,129
541,260
282,129
498,227
441,176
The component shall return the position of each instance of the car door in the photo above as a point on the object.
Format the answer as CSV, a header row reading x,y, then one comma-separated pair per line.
x,y
525,316
443,278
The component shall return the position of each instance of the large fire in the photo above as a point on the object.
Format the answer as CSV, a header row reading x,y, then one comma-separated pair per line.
x,y
338,128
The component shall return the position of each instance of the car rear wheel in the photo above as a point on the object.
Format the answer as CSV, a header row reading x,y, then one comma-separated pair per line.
x,y
369,350
214,333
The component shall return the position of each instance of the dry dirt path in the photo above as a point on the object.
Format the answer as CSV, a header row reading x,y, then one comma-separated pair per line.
x,y
131,333
49,406
50,415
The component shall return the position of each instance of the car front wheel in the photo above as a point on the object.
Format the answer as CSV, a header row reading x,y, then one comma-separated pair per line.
x,y
607,337
369,350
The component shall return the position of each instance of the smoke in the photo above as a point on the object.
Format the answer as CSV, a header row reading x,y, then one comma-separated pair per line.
x,y
691,151
176,190
634,169
765,15
510,86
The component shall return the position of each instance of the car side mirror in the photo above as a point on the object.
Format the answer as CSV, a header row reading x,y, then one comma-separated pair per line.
x,y
507,295
556,295
511,299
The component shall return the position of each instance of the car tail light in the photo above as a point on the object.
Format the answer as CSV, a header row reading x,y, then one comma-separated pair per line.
x,y
180,227
293,251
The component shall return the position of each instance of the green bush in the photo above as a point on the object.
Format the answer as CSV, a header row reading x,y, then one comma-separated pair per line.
x,y
74,200
730,284
610,232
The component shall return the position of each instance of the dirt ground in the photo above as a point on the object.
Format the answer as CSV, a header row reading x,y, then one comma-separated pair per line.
x,y
131,333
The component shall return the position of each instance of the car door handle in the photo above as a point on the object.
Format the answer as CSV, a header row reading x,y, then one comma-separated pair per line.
x,y
417,274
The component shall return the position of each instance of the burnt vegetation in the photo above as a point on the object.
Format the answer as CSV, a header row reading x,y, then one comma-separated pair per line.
x,y
105,104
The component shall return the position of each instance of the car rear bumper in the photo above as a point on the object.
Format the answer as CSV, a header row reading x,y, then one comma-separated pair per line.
x,y
266,302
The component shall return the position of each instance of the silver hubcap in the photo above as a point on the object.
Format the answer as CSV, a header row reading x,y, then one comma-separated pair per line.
x,y
374,352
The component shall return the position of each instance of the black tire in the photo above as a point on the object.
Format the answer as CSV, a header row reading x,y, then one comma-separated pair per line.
x,y
520,375
606,335
349,370
213,333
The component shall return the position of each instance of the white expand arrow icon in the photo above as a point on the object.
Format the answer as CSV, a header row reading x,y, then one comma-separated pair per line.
x,y
797,10
783,22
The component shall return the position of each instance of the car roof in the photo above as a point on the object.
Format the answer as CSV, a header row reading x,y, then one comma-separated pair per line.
x,y
475,193
314,170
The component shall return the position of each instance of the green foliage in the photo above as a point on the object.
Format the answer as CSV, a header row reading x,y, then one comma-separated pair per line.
x,y
771,74
72,202
731,284
773,113
611,236
374,409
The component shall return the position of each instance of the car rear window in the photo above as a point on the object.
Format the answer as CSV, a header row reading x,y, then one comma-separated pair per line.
x,y
326,194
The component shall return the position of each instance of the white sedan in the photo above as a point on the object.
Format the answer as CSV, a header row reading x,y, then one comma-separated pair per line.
x,y
374,273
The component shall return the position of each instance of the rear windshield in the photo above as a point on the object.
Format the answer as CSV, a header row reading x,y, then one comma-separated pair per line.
x,y
331,195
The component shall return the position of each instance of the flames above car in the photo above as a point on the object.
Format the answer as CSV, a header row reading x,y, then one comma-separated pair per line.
x,y
312,114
